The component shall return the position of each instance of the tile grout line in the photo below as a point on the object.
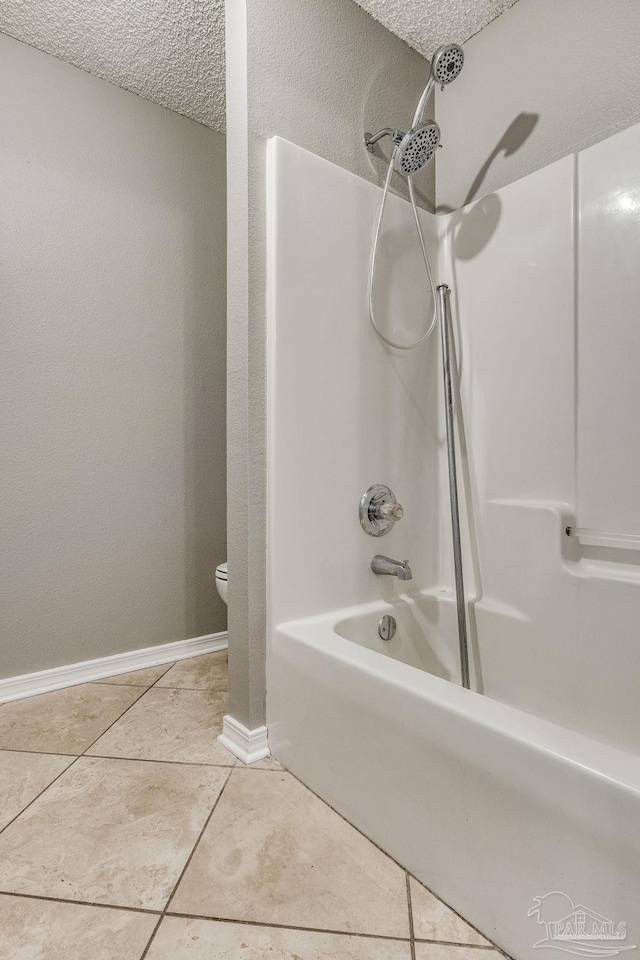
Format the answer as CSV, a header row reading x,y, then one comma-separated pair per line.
x,y
337,812
161,677
286,926
490,945
197,843
399,865
137,699
105,680
73,760
81,903
166,911
410,912
117,720
152,937
164,686
40,753
447,943
147,689
170,666
251,923
175,664
465,946
185,868
180,763
76,757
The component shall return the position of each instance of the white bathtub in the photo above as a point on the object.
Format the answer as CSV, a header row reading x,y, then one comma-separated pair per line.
x,y
489,806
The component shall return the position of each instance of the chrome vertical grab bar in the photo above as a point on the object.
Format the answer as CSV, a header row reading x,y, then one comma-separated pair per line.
x,y
443,303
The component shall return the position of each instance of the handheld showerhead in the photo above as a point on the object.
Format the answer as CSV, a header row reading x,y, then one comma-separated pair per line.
x,y
416,148
446,66
412,151
419,145
446,63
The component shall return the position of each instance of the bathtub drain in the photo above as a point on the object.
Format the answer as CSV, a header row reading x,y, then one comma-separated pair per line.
x,y
387,628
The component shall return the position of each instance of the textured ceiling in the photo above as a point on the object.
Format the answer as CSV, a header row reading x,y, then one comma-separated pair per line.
x,y
169,51
172,51
425,24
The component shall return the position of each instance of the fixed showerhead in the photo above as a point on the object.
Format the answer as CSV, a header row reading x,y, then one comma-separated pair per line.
x,y
447,63
416,148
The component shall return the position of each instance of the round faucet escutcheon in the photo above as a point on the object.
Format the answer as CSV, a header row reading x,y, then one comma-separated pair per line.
x,y
379,510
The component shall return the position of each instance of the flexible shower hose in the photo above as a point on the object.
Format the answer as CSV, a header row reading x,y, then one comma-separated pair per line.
x,y
374,254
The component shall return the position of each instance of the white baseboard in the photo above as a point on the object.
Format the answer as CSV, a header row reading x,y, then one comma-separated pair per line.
x,y
247,745
30,684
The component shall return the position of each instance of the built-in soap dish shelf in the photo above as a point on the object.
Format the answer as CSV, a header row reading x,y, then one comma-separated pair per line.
x,y
602,538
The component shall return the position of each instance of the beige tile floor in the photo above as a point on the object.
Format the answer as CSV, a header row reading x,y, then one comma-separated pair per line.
x,y
128,832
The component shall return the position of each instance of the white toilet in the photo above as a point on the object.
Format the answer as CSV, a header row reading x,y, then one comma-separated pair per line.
x,y
222,580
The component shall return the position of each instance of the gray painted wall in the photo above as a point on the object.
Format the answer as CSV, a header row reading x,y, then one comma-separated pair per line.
x,y
319,73
545,79
112,368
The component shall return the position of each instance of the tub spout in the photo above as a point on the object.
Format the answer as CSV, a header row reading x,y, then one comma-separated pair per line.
x,y
386,567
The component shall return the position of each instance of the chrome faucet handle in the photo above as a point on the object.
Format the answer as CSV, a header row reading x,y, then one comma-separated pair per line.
x,y
379,510
389,511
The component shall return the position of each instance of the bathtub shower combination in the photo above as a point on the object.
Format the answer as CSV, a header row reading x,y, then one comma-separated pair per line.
x,y
519,796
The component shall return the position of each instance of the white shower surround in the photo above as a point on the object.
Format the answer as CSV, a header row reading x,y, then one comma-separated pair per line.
x,y
535,787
